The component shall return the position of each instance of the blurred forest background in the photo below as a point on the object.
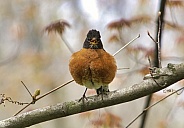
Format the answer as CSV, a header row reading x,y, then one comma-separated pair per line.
x,y
41,60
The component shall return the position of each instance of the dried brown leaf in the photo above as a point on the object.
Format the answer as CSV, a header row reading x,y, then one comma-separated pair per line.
x,y
144,70
180,39
57,26
140,19
113,38
175,3
156,97
118,24
162,124
87,114
108,120
18,30
123,22
173,26
136,50
181,82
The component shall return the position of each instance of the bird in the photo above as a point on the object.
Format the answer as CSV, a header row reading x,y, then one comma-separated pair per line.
x,y
92,66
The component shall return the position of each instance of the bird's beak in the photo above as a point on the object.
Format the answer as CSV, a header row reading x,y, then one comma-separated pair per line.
x,y
93,41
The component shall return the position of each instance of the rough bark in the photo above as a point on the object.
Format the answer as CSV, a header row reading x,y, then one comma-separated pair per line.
x,y
164,77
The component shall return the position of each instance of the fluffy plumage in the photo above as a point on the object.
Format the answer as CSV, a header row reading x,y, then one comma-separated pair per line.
x,y
92,66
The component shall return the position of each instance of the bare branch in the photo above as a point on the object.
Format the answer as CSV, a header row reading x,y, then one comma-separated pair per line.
x,y
47,93
27,89
126,45
9,99
164,76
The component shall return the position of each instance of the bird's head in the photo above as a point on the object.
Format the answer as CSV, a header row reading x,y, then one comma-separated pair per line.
x,y
93,40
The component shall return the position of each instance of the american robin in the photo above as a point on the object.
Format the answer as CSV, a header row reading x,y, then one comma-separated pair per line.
x,y
92,66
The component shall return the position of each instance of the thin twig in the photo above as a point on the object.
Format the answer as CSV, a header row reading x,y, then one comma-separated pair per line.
x,y
158,41
158,47
23,108
152,106
66,43
126,45
27,89
36,99
55,89
151,37
122,68
9,99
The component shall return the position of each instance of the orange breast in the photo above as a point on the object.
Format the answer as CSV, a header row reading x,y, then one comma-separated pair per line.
x,y
92,68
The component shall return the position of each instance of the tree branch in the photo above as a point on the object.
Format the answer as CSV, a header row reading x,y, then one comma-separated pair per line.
x,y
164,77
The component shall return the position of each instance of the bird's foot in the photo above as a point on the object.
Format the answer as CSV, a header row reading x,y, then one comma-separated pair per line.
x,y
102,91
83,98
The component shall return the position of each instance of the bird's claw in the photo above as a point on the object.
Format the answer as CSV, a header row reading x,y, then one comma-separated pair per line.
x,y
82,98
